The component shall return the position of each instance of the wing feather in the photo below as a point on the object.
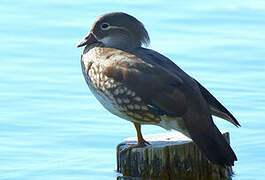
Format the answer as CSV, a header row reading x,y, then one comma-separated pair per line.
x,y
154,84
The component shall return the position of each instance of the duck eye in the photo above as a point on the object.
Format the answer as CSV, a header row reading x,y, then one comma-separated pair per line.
x,y
105,26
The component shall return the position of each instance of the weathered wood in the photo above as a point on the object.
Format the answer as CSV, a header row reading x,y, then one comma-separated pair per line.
x,y
170,156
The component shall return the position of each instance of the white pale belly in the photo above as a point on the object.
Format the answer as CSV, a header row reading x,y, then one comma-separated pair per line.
x,y
175,123
111,106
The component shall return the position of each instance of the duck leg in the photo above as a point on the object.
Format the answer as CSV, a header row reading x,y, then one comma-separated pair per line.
x,y
140,140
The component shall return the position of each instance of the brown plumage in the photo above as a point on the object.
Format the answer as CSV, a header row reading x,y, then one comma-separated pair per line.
x,y
144,87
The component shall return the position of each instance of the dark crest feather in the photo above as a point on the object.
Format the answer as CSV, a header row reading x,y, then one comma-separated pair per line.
x,y
136,27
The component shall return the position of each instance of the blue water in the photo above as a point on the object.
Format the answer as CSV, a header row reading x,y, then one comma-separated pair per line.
x,y
51,126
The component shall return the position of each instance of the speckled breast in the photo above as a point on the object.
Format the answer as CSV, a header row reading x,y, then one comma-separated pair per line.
x,y
114,96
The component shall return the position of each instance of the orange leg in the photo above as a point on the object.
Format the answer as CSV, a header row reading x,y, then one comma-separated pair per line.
x,y
141,142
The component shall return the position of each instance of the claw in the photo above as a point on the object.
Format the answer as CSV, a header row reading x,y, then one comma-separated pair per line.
x,y
143,143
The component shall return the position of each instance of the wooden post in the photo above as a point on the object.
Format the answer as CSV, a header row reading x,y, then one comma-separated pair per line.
x,y
170,156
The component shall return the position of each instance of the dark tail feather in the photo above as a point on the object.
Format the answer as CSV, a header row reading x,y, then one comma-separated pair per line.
x,y
212,143
216,108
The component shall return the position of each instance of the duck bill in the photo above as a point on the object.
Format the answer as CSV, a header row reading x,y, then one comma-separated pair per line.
x,y
89,39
